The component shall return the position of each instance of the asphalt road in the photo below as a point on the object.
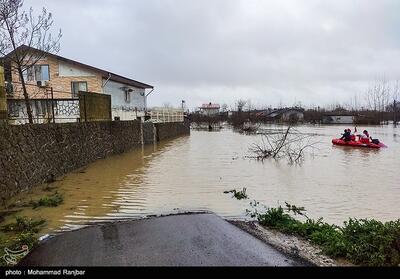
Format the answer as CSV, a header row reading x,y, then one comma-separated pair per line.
x,y
179,240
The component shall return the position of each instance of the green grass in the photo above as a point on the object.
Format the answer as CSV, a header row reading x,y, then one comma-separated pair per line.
x,y
362,242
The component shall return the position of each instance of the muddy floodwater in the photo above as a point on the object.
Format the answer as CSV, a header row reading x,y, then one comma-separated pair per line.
x,y
191,173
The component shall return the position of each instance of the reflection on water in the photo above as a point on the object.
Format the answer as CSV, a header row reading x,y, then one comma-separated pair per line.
x,y
191,173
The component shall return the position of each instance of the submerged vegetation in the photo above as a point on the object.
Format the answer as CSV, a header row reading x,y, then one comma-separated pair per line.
x,y
23,224
53,200
18,237
240,195
289,143
362,242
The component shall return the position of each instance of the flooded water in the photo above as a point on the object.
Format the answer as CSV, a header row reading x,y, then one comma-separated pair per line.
x,y
191,174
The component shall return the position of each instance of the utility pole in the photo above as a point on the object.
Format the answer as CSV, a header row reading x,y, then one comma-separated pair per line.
x,y
395,112
3,97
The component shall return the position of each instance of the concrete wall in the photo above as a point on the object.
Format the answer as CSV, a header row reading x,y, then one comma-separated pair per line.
x,y
32,154
169,130
149,133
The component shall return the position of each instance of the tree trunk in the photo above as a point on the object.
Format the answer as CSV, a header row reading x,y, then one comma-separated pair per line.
x,y
26,96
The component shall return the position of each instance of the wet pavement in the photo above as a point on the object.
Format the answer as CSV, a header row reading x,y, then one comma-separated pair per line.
x,y
178,240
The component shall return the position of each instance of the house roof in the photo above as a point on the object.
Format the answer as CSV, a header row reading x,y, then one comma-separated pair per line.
x,y
278,112
338,115
210,106
105,74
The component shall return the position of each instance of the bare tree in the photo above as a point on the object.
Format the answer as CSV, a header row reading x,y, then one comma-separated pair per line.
x,y
378,95
224,108
240,104
395,99
289,143
25,40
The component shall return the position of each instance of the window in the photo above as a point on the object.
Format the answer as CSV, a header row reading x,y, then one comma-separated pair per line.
x,y
37,72
77,86
127,96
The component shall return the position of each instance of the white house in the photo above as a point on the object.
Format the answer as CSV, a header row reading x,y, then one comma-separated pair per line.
x,y
128,101
210,109
56,79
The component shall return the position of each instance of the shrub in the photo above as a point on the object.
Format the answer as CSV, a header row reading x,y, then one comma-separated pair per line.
x,y
372,242
363,242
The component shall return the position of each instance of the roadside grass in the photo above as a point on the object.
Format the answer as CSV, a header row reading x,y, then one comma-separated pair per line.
x,y
18,238
361,241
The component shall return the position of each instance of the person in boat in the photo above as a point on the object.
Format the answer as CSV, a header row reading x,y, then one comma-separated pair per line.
x,y
347,135
365,137
353,135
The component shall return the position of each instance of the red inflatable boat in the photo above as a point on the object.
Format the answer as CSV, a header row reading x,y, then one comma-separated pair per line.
x,y
357,144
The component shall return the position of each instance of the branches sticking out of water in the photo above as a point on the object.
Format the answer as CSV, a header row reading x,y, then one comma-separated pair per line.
x,y
240,195
290,144
249,128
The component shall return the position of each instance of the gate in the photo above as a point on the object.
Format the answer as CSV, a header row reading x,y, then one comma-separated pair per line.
x,y
94,106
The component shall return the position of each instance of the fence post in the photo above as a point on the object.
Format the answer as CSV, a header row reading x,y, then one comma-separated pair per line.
x,y
3,98
52,105
84,106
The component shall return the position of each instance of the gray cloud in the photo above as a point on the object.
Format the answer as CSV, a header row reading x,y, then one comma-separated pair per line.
x,y
316,52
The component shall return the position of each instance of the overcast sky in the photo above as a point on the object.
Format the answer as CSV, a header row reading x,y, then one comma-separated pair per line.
x,y
271,52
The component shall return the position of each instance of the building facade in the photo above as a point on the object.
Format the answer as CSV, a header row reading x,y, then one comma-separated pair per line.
x,y
286,115
338,119
210,109
56,77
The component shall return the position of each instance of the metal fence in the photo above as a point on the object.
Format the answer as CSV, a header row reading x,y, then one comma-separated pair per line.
x,y
44,111
87,107
165,115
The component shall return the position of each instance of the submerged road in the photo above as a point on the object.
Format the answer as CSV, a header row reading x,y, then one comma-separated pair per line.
x,y
178,240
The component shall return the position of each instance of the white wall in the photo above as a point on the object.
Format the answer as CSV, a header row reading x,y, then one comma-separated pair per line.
x,y
126,114
209,112
120,107
68,70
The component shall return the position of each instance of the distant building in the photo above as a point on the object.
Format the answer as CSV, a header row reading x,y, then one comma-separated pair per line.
x,y
210,109
337,119
285,114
